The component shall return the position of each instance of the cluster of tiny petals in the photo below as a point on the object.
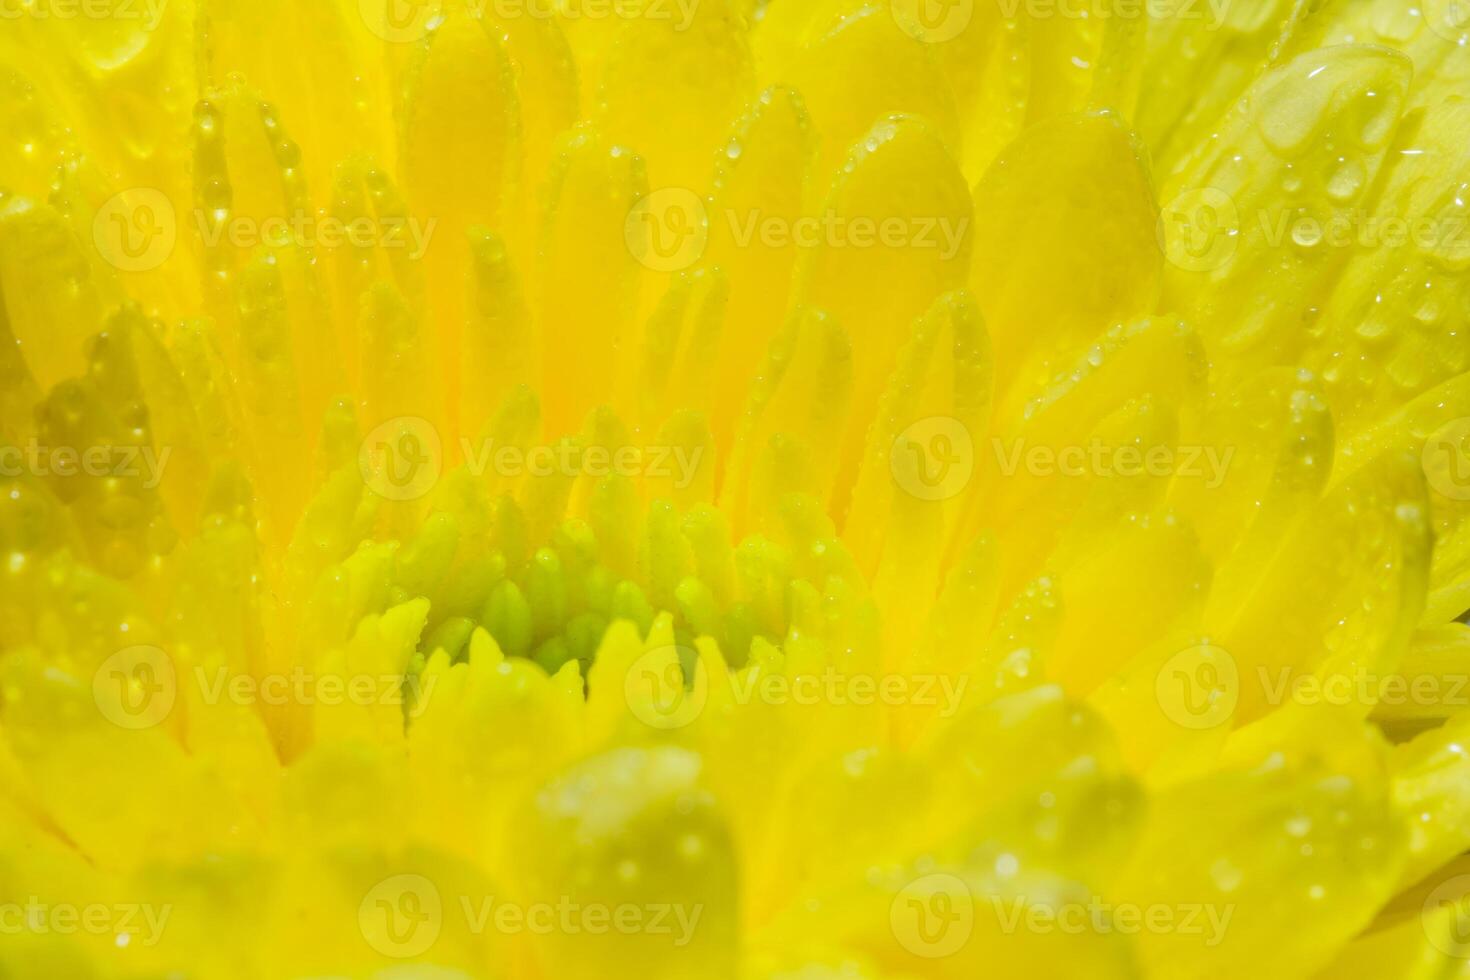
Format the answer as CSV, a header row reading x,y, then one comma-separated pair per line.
x,y
734,488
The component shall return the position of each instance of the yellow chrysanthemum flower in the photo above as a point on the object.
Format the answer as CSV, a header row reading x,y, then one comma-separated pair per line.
x,y
734,488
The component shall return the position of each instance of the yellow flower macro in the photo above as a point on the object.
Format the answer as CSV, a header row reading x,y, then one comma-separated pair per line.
x,y
750,489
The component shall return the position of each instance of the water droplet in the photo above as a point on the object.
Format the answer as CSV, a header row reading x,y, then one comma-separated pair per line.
x,y
1346,181
1371,329
1227,877
1378,114
1306,232
691,847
